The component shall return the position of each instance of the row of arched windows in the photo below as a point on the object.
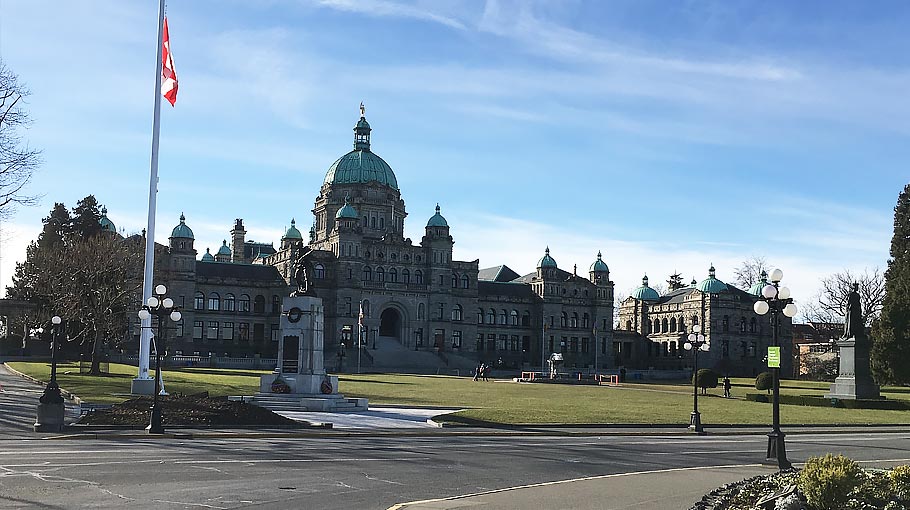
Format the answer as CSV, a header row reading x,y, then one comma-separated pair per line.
x,y
503,317
572,321
672,326
392,275
230,303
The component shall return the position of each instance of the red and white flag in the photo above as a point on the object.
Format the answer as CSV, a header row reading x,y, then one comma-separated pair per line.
x,y
360,317
168,75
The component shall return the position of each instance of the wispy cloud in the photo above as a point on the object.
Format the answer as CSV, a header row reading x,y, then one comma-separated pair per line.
x,y
383,8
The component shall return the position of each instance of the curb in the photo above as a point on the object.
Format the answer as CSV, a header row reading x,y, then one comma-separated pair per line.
x,y
76,400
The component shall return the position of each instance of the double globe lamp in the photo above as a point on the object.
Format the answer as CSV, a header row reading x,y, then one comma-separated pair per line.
x,y
696,342
776,300
161,307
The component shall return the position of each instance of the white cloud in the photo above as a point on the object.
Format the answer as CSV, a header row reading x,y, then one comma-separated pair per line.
x,y
383,8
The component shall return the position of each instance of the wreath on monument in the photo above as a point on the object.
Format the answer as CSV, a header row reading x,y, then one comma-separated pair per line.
x,y
294,314
279,386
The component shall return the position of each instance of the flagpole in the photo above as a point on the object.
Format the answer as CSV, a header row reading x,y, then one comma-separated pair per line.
x,y
147,282
359,335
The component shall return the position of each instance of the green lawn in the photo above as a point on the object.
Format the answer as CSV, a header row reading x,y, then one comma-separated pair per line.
x,y
504,402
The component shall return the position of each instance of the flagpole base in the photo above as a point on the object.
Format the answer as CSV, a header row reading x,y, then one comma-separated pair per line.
x,y
142,386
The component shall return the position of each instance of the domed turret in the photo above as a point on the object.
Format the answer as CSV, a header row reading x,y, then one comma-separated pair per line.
x,y
645,293
224,253
711,285
437,220
292,232
546,261
755,290
347,211
208,256
181,230
106,224
599,266
361,165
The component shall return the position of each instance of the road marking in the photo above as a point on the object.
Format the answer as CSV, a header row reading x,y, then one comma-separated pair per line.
x,y
399,506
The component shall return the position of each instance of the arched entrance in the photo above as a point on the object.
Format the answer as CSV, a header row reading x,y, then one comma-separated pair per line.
x,y
390,324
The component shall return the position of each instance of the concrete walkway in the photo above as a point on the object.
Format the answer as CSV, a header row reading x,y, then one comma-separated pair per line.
x,y
667,489
19,404
377,417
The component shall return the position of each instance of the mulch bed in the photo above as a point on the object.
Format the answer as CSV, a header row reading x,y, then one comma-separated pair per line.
x,y
187,411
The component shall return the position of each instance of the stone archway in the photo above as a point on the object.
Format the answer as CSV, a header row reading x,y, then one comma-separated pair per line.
x,y
390,324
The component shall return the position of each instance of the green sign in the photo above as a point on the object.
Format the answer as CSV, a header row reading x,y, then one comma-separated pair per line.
x,y
773,357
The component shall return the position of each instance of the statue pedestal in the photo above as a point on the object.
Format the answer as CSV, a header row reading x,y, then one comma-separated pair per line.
x,y
300,376
50,417
854,376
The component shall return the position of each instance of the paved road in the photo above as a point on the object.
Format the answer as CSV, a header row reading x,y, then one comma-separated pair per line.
x,y
379,472
18,405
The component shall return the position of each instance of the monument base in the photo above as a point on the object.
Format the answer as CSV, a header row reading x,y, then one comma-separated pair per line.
x,y
307,384
849,388
142,386
50,417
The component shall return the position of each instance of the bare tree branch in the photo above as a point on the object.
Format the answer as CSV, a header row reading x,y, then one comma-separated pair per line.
x,y
749,272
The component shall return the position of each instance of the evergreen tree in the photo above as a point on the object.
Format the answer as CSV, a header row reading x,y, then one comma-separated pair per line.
x,y
57,227
86,218
891,333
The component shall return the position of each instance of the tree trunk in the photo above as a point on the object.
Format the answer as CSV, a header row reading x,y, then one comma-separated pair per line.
x,y
96,354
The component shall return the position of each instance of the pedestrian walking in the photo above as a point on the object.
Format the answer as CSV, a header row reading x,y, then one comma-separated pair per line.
x,y
727,386
477,370
485,372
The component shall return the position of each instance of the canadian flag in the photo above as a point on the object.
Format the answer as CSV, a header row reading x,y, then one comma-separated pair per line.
x,y
360,317
168,75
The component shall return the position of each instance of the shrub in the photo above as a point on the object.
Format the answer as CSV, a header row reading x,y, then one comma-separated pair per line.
x,y
764,381
900,482
828,481
706,378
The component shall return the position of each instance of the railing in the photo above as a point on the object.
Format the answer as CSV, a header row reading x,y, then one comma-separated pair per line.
x,y
204,361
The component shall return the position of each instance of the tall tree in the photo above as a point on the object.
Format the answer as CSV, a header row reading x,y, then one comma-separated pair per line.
x,y
891,333
87,217
749,272
17,160
57,227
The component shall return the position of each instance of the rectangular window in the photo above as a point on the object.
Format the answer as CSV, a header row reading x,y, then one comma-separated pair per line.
x,y
199,302
550,344
456,339
439,338
214,303
227,331
574,344
603,346
584,345
513,343
441,311
418,337
243,331
491,342
180,331
212,332
564,345
503,342
479,342
258,332
197,330
274,336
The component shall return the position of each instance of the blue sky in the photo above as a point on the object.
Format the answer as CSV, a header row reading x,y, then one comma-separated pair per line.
x,y
668,135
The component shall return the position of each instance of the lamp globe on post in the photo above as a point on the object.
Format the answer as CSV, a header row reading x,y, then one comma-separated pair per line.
x,y
776,301
163,308
695,342
51,409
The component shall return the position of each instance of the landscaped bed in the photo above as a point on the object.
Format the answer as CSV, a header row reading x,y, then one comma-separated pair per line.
x,y
188,411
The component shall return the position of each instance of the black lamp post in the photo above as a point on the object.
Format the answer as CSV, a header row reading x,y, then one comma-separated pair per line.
x,y
161,307
777,301
51,409
695,342
341,354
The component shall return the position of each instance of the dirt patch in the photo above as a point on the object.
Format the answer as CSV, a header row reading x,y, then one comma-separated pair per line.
x,y
187,411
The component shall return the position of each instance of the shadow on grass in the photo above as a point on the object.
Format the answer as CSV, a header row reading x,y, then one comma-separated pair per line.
x,y
214,371
374,381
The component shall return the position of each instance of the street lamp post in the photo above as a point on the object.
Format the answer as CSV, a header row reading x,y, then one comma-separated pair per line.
x,y
696,342
50,404
161,307
777,301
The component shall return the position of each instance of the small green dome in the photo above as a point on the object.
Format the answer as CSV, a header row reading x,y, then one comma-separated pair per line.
x,y
208,256
346,211
225,249
755,290
645,293
182,230
711,285
599,266
106,224
546,260
292,232
437,220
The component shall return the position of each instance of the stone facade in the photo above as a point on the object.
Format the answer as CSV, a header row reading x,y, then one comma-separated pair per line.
x,y
415,295
654,328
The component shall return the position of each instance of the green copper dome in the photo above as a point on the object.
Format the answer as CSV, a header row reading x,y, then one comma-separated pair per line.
x,y
711,285
182,230
208,256
645,293
755,290
599,266
292,232
346,211
360,165
106,224
437,220
546,260
225,249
